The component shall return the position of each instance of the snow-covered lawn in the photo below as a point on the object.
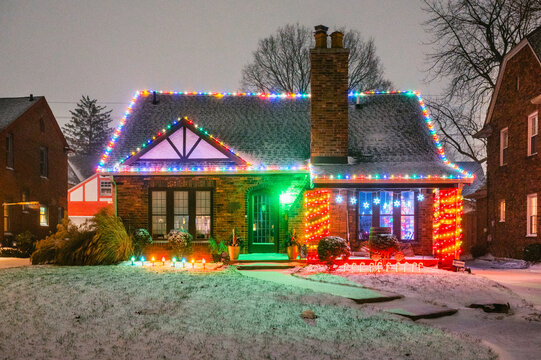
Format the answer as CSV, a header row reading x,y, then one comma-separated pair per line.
x,y
128,312
516,335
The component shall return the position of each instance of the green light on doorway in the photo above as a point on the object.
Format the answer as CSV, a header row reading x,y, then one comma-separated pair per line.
x,y
286,198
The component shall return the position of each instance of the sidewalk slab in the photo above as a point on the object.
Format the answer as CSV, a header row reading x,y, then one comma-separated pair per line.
x,y
358,294
415,310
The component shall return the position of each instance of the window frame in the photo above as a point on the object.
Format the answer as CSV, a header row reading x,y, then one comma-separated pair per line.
x,y
501,210
10,158
170,211
105,181
531,211
44,162
531,134
505,130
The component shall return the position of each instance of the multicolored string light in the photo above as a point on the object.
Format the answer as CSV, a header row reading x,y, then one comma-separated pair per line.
x,y
354,177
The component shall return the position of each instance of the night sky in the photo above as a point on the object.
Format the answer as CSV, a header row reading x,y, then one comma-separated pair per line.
x,y
108,49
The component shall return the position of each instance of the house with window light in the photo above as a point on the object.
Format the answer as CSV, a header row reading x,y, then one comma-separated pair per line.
x,y
513,163
33,167
330,162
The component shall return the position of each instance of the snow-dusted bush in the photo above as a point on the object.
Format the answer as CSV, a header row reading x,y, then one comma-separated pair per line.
x,y
180,241
331,248
532,252
141,239
26,243
383,246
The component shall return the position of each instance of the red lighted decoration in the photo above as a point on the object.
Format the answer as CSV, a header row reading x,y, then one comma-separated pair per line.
x,y
447,226
317,206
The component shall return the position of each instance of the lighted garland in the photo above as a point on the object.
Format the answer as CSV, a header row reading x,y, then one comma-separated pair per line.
x,y
317,206
426,115
447,225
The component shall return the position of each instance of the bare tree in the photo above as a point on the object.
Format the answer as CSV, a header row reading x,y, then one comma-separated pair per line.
x,y
469,40
281,62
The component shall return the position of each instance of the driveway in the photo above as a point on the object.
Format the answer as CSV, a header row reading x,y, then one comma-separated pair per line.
x,y
13,262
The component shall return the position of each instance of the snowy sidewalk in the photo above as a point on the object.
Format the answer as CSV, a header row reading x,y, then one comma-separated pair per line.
x,y
357,293
13,262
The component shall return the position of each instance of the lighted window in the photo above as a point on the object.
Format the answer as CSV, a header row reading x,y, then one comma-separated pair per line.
x,y
502,210
531,215
365,214
532,134
43,161
106,188
159,213
181,216
9,151
504,144
43,215
386,209
407,215
202,214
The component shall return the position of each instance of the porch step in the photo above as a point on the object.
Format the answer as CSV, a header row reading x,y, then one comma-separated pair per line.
x,y
265,266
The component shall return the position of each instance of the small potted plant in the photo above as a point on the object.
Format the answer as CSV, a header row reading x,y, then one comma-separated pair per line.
x,y
234,244
292,244
217,248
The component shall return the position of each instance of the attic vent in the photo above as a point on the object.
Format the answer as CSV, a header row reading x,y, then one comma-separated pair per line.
x,y
31,98
154,98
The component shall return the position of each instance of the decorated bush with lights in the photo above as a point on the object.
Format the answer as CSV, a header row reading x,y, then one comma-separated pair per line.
x,y
330,249
180,241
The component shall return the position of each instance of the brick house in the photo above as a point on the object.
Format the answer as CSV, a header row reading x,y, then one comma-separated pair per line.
x,y
33,167
513,163
329,162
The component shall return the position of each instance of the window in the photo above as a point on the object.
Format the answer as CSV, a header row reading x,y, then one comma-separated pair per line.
x,y
407,213
181,217
106,188
365,214
159,213
43,215
60,214
9,151
202,214
532,134
386,209
504,144
502,210
531,217
7,223
43,161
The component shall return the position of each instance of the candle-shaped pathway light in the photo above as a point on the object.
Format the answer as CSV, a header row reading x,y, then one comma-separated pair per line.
x,y
133,260
183,262
174,262
153,259
193,264
203,261
163,260
142,261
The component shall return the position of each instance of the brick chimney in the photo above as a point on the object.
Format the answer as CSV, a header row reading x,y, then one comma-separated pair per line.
x,y
329,104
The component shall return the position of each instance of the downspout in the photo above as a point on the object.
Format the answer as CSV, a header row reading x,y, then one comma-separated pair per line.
x,y
115,195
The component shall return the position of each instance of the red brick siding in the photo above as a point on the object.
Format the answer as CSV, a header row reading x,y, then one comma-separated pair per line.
x,y
522,174
52,191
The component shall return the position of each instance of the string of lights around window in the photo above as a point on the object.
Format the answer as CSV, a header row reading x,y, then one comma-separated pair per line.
x,y
120,168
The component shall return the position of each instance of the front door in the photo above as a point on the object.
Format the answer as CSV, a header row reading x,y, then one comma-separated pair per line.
x,y
263,223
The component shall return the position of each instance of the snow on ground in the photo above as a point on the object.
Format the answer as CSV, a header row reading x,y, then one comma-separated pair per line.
x,y
517,335
132,312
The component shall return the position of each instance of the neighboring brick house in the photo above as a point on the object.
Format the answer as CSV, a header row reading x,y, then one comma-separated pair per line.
x,y
513,164
326,163
33,166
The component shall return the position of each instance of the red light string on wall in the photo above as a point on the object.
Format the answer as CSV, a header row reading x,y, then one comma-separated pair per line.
x,y
447,226
317,206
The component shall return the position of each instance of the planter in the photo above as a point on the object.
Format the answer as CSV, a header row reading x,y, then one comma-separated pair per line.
x,y
233,252
292,252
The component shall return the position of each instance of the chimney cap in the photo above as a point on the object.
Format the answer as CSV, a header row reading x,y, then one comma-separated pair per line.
x,y
31,97
321,28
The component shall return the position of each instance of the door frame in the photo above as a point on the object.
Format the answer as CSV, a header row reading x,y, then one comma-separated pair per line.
x,y
275,220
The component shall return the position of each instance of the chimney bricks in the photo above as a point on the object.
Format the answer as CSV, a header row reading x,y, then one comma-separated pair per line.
x,y
329,101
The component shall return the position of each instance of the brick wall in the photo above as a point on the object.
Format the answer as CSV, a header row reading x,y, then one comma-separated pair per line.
x,y
329,107
230,200
25,176
522,174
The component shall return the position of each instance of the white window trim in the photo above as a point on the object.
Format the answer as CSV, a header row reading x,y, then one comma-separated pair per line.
x,y
501,144
530,134
529,214
502,210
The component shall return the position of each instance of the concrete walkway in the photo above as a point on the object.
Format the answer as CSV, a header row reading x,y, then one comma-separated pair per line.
x,y
525,282
13,262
